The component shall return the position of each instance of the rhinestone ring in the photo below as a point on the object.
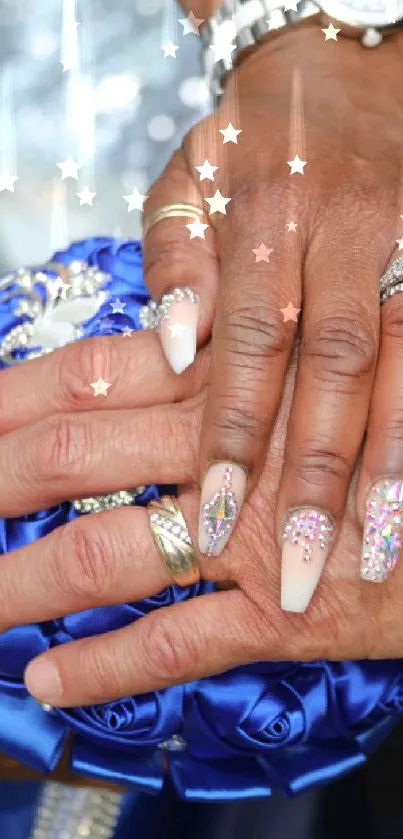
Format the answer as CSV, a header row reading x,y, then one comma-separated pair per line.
x,y
173,540
181,209
391,282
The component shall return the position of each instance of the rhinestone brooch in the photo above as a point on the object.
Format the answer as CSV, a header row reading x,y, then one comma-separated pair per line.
x,y
49,321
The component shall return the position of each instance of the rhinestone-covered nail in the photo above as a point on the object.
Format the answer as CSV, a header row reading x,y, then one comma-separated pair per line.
x,y
222,495
383,527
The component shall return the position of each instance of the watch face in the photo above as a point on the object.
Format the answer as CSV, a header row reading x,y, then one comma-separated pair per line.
x,y
364,12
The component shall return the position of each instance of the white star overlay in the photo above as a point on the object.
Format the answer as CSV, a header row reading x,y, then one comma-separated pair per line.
x,y
222,52
100,387
230,133
135,200
177,330
7,182
86,197
58,288
169,49
69,168
297,165
117,306
191,24
331,33
217,203
206,170
197,228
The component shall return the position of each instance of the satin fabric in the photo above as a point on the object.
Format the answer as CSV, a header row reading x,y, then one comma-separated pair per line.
x,y
290,726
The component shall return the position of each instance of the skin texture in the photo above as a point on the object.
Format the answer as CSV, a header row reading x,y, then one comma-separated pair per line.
x,y
339,107
54,442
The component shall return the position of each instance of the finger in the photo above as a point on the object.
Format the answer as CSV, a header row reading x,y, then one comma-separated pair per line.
x,y
330,407
170,646
379,494
95,560
70,456
179,253
250,349
63,381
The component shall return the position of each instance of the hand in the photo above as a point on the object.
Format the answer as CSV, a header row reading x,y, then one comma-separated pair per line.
x,y
339,107
59,442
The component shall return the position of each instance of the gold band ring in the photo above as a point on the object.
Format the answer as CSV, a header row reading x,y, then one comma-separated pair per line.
x,y
178,210
173,540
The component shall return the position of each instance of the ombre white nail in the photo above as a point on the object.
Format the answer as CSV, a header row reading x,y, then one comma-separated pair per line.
x,y
179,312
222,494
307,536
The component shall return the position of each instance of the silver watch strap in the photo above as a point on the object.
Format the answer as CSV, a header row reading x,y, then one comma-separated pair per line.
x,y
244,23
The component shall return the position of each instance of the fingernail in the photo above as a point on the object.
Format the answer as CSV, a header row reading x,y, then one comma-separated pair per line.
x,y
42,680
382,537
307,535
179,311
222,495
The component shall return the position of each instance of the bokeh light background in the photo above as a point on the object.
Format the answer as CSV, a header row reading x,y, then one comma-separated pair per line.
x,y
120,113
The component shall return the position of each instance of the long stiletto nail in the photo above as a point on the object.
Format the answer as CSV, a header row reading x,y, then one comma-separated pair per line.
x,y
383,527
222,495
179,312
307,536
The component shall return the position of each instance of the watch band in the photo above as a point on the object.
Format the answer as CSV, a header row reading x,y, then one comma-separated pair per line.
x,y
243,23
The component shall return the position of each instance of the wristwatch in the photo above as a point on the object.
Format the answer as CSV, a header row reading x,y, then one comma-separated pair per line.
x,y
237,24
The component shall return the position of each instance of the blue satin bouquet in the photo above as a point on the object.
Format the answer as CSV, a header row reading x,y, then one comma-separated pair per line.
x,y
287,725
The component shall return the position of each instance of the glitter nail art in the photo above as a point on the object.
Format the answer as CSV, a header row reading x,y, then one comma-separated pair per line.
x,y
382,538
220,512
307,527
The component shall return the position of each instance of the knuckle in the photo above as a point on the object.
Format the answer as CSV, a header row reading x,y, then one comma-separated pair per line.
x,y
169,648
182,426
62,448
340,347
82,363
238,422
393,430
316,466
250,333
99,666
169,256
83,563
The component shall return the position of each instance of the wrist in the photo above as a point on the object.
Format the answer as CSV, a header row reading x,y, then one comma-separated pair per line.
x,y
201,8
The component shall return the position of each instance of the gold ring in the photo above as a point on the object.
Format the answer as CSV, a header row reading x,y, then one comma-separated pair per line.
x,y
173,540
178,210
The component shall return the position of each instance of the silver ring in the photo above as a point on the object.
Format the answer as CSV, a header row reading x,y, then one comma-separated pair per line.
x,y
391,282
152,313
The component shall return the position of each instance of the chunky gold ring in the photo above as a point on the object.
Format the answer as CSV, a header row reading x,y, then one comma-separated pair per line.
x,y
173,540
179,210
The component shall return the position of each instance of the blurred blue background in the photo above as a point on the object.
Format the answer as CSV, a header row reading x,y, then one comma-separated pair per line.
x,y
120,112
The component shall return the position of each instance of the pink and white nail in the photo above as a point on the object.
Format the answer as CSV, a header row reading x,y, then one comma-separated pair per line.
x,y
306,537
178,317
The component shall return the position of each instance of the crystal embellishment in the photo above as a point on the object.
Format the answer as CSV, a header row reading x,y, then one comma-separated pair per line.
x,y
49,319
153,313
307,527
220,512
383,525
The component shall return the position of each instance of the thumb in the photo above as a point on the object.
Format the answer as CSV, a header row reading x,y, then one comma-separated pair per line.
x,y
180,265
